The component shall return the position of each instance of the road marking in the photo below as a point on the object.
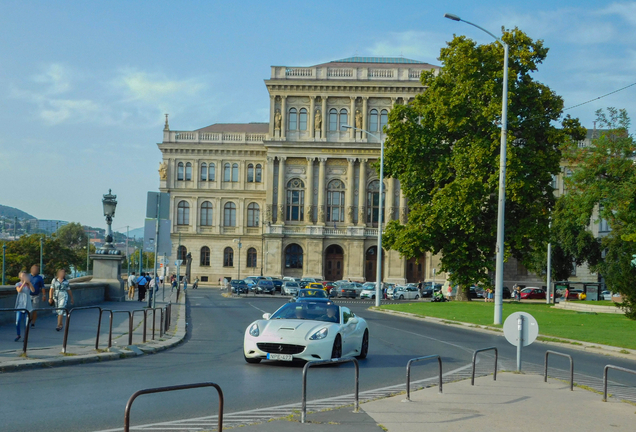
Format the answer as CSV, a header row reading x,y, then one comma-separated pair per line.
x,y
257,308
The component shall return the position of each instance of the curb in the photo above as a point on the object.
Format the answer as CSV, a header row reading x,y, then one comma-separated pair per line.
x,y
115,353
570,343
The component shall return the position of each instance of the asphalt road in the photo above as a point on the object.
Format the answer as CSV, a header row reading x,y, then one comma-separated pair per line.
x,y
93,396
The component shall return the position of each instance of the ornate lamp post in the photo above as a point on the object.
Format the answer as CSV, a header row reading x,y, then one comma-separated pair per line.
x,y
109,202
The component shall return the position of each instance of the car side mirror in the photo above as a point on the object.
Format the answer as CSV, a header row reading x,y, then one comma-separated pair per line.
x,y
267,316
352,320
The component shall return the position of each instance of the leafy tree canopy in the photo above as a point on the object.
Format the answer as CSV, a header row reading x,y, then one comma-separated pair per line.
x,y
72,236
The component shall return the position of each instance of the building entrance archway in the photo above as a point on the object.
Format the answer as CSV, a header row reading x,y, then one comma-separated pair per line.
x,y
415,269
371,264
293,261
334,263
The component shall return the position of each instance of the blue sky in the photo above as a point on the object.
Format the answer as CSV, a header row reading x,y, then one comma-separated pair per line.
x,y
84,85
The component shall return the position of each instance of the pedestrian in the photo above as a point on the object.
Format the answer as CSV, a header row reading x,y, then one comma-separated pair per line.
x,y
185,283
59,294
131,286
173,282
449,291
23,301
196,284
567,294
489,296
152,285
220,282
38,284
141,286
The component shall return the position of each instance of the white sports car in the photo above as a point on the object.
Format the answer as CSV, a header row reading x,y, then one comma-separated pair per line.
x,y
307,330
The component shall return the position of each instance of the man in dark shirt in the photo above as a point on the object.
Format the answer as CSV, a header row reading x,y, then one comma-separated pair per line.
x,y
38,293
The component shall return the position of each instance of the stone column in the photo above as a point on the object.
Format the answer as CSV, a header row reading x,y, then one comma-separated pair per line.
x,y
352,118
349,191
272,111
390,200
283,113
281,190
269,190
362,193
321,190
309,191
217,211
325,118
312,115
393,101
403,208
365,115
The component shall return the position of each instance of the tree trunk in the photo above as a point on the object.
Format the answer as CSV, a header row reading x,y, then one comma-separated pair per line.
x,y
463,293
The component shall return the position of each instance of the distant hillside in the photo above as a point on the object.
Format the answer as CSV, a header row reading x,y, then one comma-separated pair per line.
x,y
10,212
137,232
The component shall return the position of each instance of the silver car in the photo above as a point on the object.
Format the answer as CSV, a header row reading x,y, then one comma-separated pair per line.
x,y
290,288
405,293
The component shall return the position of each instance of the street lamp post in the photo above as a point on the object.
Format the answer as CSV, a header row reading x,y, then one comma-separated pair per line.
x,y
109,202
4,253
41,255
502,176
378,285
238,240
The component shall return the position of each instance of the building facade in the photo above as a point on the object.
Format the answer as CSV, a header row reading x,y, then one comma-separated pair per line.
x,y
297,196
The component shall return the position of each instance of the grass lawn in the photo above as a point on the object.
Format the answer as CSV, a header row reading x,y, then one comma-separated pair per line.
x,y
607,329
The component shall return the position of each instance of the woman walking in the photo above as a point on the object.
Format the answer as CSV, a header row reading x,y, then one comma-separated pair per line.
x,y
59,294
23,301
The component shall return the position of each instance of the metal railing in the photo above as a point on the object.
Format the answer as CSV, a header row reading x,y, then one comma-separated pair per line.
x,y
494,376
618,368
174,388
408,372
68,324
25,343
303,412
545,367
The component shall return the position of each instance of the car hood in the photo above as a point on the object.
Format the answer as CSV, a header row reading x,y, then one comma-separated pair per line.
x,y
286,328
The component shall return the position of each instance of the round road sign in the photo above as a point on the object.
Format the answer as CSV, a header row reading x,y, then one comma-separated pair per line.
x,y
530,329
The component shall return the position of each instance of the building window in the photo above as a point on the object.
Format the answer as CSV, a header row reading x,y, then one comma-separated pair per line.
x,y
250,173
180,171
567,173
302,119
293,119
555,182
182,254
205,256
234,173
294,256
211,172
228,257
335,201
206,214
373,120
603,224
333,119
373,202
251,258
384,119
183,213
188,171
258,174
295,200
226,173
343,118
253,215
204,171
229,214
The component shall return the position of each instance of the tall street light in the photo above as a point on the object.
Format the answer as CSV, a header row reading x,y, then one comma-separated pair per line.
x,y
378,284
502,176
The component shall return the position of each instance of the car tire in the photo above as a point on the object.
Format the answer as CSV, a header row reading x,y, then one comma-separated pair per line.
x,y
364,346
416,296
372,297
336,351
401,297
251,360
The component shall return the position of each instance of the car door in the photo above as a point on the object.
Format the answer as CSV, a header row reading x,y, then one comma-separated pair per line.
x,y
348,331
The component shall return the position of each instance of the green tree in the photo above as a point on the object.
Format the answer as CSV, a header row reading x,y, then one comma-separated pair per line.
x,y
72,236
444,149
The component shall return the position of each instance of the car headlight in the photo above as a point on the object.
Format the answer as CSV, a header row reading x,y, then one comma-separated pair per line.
x,y
254,330
320,334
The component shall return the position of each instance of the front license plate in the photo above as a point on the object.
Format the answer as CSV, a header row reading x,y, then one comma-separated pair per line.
x,y
283,357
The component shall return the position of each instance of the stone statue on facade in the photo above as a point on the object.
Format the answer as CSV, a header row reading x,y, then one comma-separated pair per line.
x,y
361,215
268,213
318,120
350,214
278,118
163,171
358,119
321,214
281,213
403,215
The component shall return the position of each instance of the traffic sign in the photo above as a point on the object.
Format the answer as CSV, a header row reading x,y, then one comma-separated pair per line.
x,y
178,262
529,330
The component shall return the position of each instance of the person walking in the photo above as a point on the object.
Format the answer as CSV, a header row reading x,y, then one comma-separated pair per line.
x,y
185,283
38,285
23,301
59,294
141,287
196,283
131,286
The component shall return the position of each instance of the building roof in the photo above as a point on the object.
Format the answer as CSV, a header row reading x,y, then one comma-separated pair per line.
x,y
237,127
384,60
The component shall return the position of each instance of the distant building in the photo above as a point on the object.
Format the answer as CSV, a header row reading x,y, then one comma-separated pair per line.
x,y
50,226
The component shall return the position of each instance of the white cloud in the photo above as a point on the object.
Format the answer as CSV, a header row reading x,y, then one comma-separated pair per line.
x,y
419,45
627,11
56,111
156,88
57,77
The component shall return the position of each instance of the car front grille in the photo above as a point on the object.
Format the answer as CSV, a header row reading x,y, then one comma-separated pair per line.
x,y
276,348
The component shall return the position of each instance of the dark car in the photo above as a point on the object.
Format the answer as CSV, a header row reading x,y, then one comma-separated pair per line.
x,y
312,295
278,284
474,293
347,290
239,286
265,287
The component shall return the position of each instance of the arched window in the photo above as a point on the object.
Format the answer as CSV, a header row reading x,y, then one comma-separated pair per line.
x,y
204,171
253,215
206,214
295,200
293,119
182,254
384,119
251,258
180,171
343,119
235,172
333,119
226,173
250,173
229,214
259,173
373,202
373,120
302,119
228,257
188,172
211,172
335,201
183,213
294,256
205,256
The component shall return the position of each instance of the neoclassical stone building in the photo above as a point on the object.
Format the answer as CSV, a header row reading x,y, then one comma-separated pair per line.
x,y
297,196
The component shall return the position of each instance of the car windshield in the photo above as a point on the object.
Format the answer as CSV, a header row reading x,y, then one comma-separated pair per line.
x,y
309,311
291,285
319,293
526,290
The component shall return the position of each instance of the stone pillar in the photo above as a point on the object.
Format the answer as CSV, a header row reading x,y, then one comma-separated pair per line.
x,y
349,191
309,191
393,101
107,270
283,113
312,116
325,118
281,190
362,193
352,118
390,200
269,190
272,111
321,190
403,208
365,115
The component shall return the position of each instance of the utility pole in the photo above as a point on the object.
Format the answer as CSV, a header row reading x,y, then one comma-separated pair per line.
x,y
15,227
88,252
41,254
4,252
127,257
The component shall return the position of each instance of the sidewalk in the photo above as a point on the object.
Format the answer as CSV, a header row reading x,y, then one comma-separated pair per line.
x,y
45,343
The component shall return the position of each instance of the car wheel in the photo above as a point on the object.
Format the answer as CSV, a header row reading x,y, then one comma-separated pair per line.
x,y
252,360
401,297
372,297
364,347
416,296
336,351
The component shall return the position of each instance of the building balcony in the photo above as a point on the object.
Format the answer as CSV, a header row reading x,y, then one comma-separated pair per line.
x,y
369,73
196,137
321,231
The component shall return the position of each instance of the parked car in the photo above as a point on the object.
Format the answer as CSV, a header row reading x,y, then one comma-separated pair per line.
x,y
306,281
290,288
265,286
532,294
347,290
239,286
251,281
405,293
389,290
278,284
328,285
313,295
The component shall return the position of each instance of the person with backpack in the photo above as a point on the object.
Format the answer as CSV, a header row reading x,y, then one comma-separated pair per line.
x,y
141,286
